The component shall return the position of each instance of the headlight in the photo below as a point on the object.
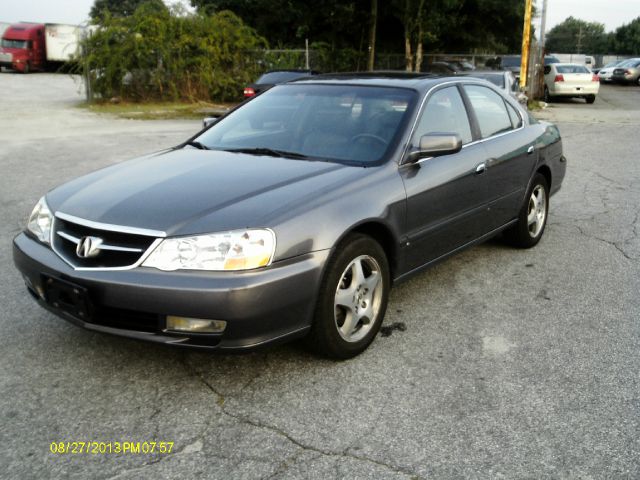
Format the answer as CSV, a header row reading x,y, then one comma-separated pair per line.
x,y
40,221
236,250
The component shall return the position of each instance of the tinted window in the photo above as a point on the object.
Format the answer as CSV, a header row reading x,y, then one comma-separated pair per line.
x,y
280,77
572,69
490,110
550,60
444,113
355,124
511,61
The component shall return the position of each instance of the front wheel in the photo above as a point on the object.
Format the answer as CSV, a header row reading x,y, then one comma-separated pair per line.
x,y
532,218
27,68
352,300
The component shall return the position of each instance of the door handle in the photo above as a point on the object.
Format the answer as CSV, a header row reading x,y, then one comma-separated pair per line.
x,y
481,169
530,150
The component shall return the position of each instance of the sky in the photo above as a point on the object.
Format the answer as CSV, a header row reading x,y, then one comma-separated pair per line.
x,y
612,13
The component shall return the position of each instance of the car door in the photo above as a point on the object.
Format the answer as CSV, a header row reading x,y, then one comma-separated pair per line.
x,y
511,152
446,195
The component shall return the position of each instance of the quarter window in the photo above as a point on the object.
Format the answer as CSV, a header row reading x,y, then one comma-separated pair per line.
x,y
490,109
516,119
444,113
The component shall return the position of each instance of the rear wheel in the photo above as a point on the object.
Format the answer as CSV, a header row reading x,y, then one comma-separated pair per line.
x,y
352,300
547,95
590,98
532,218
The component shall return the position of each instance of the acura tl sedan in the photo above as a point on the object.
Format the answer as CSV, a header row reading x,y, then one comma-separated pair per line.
x,y
293,215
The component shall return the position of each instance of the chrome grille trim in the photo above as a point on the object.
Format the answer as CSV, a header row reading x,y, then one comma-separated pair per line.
x,y
103,246
108,226
102,226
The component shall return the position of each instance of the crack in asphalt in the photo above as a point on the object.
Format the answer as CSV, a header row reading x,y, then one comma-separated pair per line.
x,y
220,401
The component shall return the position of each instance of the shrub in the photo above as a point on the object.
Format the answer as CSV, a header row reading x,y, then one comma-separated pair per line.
x,y
161,54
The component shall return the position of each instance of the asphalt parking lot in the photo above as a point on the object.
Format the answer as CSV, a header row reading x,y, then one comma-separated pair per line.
x,y
498,363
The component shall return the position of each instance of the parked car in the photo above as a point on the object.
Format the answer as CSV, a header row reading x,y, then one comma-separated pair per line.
x,y
294,214
274,77
512,63
628,72
504,80
570,80
605,74
461,65
440,68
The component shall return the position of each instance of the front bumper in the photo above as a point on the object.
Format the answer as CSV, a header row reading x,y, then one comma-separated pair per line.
x,y
261,307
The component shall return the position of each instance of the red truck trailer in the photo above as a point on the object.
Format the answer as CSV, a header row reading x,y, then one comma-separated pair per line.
x,y
28,47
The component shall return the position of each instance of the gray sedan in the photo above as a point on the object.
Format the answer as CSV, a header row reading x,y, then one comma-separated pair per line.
x,y
293,215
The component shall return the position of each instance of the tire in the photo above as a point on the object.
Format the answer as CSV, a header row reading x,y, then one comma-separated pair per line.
x,y
532,218
27,68
547,96
352,300
590,98
638,81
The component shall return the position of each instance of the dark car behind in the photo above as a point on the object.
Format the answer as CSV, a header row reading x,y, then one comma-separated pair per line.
x,y
274,77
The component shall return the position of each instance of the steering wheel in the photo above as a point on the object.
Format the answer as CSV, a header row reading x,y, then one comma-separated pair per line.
x,y
355,138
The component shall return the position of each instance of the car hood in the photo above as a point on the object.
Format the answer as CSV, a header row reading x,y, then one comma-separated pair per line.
x,y
188,191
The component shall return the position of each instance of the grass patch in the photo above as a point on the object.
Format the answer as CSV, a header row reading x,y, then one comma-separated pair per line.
x,y
158,110
534,105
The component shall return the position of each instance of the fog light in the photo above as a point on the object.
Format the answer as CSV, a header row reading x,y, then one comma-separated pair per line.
x,y
195,325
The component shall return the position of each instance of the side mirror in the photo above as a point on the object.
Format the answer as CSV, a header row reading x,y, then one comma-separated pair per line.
x,y
209,121
436,145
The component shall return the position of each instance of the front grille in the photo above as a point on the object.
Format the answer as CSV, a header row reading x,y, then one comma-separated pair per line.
x,y
115,249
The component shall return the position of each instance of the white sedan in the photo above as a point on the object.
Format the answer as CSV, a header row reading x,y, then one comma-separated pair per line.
x,y
570,80
606,72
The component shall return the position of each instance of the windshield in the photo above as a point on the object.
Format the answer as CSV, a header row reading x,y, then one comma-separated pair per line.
x,y
280,77
344,123
572,69
7,43
549,60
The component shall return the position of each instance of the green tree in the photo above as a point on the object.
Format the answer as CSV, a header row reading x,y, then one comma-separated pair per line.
x,y
626,39
577,36
119,8
162,55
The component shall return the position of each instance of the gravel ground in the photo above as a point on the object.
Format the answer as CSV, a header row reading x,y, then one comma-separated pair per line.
x,y
495,364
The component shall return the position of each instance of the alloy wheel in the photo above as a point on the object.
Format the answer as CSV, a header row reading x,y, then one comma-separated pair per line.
x,y
358,298
537,211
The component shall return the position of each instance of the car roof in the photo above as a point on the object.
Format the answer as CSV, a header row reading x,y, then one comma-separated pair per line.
x,y
392,78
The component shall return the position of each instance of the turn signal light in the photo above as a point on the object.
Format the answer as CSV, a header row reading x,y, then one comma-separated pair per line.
x,y
559,78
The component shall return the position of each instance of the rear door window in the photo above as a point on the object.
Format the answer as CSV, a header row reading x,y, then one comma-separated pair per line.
x,y
490,109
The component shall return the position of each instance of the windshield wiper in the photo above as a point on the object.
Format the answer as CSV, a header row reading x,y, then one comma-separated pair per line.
x,y
268,151
198,145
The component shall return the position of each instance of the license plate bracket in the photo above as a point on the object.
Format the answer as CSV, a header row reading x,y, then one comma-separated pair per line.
x,y
68,297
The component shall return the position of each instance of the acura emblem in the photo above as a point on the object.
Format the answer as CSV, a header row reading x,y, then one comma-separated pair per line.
x,y
88,247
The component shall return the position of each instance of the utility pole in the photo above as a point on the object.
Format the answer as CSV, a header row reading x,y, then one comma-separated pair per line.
x,y
580,36
373,19
543,24
526,38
